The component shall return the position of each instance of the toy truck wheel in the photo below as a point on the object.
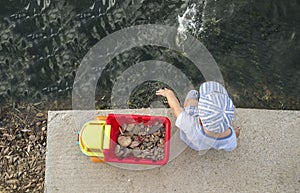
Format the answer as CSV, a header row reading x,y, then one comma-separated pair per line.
x,y
96,159
102,118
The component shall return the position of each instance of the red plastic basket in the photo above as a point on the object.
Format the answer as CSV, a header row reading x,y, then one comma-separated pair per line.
x,y
116,120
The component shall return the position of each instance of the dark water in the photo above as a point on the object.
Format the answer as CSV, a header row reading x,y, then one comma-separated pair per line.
x,y
255,43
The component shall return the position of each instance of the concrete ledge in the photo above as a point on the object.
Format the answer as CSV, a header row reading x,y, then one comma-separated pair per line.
x,y
267,158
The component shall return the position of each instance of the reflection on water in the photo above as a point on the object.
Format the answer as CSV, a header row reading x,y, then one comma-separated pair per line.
x,y
255,43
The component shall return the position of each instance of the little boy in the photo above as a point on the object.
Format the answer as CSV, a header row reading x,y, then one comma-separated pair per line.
x,y
206,121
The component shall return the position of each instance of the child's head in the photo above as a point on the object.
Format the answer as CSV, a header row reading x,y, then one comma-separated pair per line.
x,y
216,109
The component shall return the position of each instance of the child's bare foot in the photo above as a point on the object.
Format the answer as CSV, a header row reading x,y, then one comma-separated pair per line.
x,y
237,131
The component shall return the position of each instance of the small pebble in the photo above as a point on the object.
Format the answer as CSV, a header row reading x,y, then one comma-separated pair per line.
x,y
39,115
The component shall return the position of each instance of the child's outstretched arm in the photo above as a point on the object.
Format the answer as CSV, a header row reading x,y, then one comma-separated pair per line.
x,y
172,100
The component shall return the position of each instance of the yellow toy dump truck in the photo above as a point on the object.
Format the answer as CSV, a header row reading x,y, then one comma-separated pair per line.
x,y
126,138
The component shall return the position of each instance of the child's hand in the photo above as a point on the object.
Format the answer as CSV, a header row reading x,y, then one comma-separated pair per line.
x,y
164,92
172,100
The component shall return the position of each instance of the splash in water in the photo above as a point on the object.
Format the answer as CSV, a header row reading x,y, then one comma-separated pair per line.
x,y
192,21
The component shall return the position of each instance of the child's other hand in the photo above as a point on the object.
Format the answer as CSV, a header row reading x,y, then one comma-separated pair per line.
x,y
237,131
164,92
